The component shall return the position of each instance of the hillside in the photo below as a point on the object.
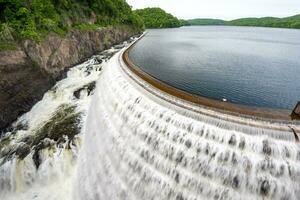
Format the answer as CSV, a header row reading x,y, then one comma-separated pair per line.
x,y
287,22
158,18
22,19
206,22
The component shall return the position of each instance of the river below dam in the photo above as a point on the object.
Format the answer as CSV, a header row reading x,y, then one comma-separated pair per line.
x,y
39,153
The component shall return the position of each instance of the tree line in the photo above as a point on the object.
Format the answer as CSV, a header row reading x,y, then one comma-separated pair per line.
x,y
287,22
158,18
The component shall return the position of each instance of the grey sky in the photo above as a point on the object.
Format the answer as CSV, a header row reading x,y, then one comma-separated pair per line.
x,y
222,9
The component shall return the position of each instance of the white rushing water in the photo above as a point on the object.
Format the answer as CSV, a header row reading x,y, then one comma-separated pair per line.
x,y
142,144
139,146
20,179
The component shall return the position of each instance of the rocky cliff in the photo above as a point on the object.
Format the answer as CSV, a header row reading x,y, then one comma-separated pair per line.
x,y
29,71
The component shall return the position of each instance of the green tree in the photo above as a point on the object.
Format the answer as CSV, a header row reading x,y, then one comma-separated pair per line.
x,y
157,18
36,18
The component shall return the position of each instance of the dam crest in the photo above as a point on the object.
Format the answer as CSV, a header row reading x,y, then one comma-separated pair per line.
x,y
141,143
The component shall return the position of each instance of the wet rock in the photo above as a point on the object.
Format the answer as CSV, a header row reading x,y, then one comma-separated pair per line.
x,y
66,122
76,93
22,151
99,59
64,125
36,159
23,125
89,88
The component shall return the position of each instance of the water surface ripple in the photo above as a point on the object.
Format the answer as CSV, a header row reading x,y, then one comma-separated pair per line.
x,y
245,65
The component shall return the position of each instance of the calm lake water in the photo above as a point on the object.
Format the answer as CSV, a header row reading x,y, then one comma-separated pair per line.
x,y
245,65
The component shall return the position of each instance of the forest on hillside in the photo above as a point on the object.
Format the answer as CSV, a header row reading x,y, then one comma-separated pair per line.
x,y
205,22
35,18
287,22
158,18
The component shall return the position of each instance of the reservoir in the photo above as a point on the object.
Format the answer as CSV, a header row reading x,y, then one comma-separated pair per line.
x,y
243,65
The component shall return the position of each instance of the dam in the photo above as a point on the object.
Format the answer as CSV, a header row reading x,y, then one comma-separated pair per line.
x,y
142,143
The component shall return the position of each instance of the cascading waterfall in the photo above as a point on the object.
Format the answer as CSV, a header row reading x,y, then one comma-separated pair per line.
x,y
141,146
35,163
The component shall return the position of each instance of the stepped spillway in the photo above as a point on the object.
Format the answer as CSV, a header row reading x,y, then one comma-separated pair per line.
x,y
141,143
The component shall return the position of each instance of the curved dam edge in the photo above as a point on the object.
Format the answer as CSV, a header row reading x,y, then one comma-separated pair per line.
x,y
221,106
222,114
142,143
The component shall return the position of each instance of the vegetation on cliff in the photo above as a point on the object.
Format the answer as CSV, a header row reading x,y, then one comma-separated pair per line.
x,y
33,19
158,18
287,22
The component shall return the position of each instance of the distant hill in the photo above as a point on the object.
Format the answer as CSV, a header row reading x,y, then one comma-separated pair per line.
x,y
206,22
158,18
287,22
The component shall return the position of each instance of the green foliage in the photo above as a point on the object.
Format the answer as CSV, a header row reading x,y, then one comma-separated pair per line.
x,y
8,46
206,22
5,32
6,39
288,22
87,27
35,18
184,22
157,18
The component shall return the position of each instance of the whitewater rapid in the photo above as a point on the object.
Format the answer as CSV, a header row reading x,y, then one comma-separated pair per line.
x,y
53,179
143,144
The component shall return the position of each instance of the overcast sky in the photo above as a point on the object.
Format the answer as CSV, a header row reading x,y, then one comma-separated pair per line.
x,y
222,9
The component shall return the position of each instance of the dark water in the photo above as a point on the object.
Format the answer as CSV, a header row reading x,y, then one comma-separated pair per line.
x,y
245,65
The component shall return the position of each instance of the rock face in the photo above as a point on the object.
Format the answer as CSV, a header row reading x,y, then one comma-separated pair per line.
x,y
29,71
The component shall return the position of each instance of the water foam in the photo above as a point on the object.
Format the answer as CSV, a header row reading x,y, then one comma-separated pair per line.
x,y
141,146
53,179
